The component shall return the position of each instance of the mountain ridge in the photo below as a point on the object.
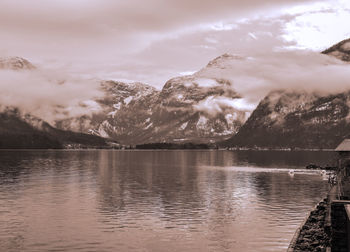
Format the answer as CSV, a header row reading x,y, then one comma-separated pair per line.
x,y
189,108
205,107
299,119
340,50
21,131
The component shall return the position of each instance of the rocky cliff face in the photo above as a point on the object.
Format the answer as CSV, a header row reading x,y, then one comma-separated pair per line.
x,y
296,120
202,107
124,113
285,119
192,108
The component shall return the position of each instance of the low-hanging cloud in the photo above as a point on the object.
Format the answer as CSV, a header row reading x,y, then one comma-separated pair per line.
x,y
214,105
143,42
57,94
48,94
254,77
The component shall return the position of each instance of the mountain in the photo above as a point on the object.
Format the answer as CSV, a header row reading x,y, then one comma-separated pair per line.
x,y
297,119
206,107
24,131
195,108
202,107
124,112
285,119
340,50
17,134
15,63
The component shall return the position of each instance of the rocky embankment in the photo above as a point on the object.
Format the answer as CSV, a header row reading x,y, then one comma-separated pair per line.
x,y
312,236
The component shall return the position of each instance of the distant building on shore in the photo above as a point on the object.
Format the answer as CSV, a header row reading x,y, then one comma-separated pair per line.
x,y
343,150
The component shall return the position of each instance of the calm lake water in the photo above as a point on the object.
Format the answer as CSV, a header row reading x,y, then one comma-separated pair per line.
x,y
155,200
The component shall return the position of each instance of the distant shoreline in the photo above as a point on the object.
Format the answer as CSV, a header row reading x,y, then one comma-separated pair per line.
x,y
150,149
277,149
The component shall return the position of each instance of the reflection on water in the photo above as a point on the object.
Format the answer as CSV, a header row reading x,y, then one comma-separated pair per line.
x,y
154,200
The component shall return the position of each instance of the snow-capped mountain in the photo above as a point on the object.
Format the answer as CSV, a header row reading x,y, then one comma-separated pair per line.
x,y
124,112
289,119
286,119
196,108
202,107
207,107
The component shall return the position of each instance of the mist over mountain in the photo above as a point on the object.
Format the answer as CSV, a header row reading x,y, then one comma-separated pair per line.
x,y
23,131
19,127
188,108
211,105
46,93
299,119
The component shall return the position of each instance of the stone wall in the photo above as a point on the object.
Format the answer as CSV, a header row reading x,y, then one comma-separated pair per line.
x,y
311,236
339,220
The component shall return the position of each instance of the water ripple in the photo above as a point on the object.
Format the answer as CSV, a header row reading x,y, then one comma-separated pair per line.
x,y
153,201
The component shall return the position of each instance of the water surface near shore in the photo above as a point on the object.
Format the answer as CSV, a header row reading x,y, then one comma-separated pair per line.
x,y
103,200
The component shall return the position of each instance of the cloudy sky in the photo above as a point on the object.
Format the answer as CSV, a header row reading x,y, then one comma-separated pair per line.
x,y
153,40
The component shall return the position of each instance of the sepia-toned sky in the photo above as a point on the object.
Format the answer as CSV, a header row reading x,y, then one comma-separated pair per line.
x,y
153,40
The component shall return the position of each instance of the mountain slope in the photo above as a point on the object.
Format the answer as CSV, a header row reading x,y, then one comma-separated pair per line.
x,y
286,119
23,130
192,108
124,114
296,120
17,134
19,131
340,50
201,107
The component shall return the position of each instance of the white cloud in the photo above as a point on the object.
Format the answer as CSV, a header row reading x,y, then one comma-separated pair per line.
x,y
48,94
253,78
318,26
213,105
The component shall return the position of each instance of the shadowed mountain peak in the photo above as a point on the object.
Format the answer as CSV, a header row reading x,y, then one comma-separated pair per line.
x,y
340,50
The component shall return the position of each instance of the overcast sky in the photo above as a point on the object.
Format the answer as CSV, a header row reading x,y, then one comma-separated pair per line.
x,y
153,40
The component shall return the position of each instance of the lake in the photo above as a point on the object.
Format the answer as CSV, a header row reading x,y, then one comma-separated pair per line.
x,y
105,200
